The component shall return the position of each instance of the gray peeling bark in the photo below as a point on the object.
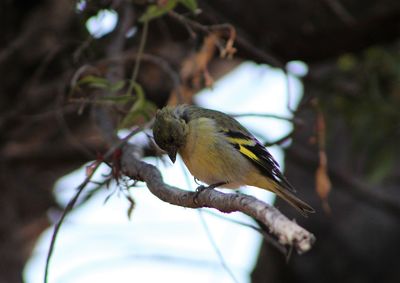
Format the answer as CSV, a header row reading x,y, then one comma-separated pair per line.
x,y
287,232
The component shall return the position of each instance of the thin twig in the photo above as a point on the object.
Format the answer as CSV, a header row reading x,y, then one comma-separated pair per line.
x,y
73,201
209,235
154,59
267,237
340,11
225,51
288,90
69,135
139,55
280,140
67,209
245,44
82,47
199,26
17,43
273,116
164,65
216,248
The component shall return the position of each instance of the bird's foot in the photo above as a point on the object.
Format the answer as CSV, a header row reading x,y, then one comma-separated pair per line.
x,y
202,188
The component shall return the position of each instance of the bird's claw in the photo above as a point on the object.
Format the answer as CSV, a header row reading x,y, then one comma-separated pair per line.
x,y
199,189
202,188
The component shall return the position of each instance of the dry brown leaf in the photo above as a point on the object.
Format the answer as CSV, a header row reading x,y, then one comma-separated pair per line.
x,y
322,181
229,50
182,95
194,73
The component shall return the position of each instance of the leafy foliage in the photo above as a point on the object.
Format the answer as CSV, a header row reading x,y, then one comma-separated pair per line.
x,y
366,93
157,10
141,108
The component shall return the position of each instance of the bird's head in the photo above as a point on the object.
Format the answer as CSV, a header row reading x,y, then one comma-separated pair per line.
x,y
169,131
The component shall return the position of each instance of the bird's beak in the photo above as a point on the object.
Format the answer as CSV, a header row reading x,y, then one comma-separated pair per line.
x,y
172,155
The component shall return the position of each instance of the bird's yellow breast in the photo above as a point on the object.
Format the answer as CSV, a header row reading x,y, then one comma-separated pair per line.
x,y
210,158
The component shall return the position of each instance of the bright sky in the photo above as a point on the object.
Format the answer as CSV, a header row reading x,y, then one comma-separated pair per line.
x,y
161,242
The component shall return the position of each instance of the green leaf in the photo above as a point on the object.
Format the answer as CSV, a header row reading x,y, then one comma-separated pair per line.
x,y
102,83
136,108
132,206
156,11
116,86
141,111
190,4
94,81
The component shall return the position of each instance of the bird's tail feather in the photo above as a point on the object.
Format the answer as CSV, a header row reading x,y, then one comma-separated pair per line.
x,y
297,203
279,189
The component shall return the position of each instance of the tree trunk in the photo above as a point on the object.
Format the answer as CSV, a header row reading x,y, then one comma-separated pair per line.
x,y
358,240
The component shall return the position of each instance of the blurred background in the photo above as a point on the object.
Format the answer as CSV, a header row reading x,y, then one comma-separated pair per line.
x,y
318,81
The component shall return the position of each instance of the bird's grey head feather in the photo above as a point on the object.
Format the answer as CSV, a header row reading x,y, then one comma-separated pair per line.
x,y
169,131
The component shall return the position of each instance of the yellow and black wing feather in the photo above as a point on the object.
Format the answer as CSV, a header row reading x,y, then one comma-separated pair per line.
x,y
256,152
244,142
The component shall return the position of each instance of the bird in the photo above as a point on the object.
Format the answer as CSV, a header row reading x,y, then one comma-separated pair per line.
x,y
220,152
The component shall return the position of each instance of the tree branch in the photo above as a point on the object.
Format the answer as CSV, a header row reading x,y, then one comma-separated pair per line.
x,y
286,231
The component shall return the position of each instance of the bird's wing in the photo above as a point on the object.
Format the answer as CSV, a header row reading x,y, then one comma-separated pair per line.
x,y
241,139
256,152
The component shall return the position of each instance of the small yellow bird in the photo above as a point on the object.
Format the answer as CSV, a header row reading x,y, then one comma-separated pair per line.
x,y
220,152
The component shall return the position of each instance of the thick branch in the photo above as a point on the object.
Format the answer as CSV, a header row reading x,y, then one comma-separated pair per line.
x,y
287,232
